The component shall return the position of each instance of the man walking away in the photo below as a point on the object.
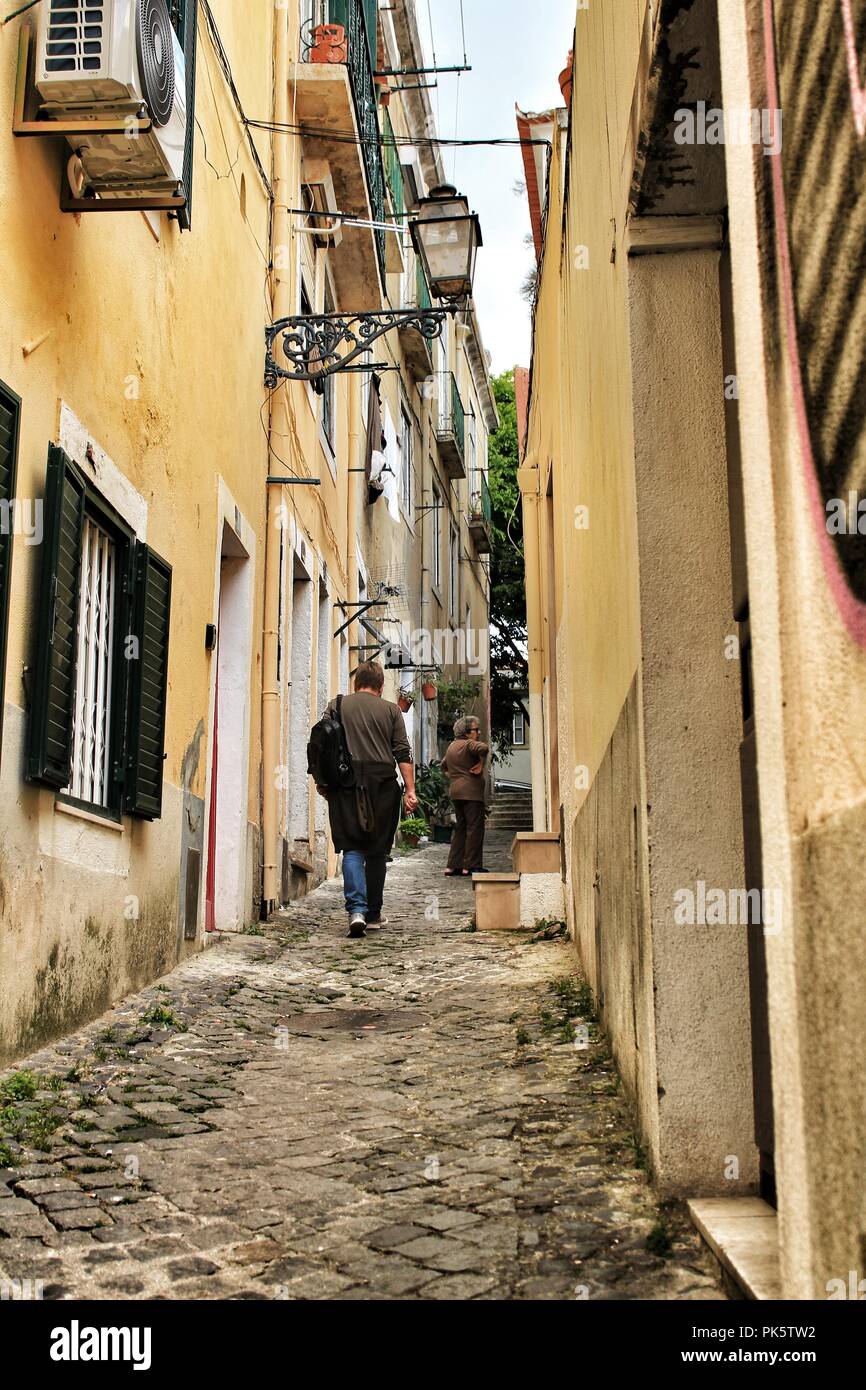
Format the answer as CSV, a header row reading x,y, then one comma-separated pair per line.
x,y
364,819
464,765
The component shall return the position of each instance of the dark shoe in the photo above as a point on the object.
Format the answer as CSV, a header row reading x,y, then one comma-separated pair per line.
x,y
377,921
455,873
357,926
478,871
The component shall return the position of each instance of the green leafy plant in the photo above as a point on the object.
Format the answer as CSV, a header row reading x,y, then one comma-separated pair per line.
x,y
165,1018
659,1241
431,786
23,1085
456,698
412,828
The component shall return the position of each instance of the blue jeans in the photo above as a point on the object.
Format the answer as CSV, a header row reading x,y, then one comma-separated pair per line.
x,y
364,881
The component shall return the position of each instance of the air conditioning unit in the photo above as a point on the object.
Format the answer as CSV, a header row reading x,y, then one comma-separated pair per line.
x,y
110,58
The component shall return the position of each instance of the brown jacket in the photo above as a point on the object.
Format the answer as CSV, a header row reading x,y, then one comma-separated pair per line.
x,y
367,817
462,756
375,729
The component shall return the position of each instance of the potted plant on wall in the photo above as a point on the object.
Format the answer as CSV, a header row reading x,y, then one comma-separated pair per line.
x,y
428,687
406,700
411,830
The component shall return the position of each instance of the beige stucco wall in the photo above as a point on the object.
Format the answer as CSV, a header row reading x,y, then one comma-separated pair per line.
x,y
691,724
627,406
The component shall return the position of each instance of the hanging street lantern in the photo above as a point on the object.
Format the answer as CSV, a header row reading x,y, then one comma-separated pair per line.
x,y
445,235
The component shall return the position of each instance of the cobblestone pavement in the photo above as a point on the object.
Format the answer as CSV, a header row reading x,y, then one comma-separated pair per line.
x,y
450,1142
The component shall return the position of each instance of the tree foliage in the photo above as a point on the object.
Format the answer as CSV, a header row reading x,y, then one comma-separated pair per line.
x,y
508,581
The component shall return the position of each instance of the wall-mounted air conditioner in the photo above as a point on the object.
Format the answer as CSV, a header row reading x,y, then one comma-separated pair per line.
x,y
109,58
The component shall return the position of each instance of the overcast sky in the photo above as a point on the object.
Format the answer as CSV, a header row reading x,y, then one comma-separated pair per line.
x,y
516,53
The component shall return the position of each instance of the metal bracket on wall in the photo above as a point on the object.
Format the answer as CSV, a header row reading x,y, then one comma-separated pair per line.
x,y
132,123
363,607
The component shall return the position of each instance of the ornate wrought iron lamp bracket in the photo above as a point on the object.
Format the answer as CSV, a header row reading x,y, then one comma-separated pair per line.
x,y
316,346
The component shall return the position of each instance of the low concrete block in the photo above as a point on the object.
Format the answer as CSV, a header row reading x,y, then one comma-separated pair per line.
x,y
535,852
743,1234
541,899
497,902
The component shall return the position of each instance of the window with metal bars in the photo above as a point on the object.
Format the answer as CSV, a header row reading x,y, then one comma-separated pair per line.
x,y
100,667
91,780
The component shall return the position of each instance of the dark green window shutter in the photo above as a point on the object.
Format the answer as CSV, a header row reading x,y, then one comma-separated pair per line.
x,y
53,689
10,408
148,681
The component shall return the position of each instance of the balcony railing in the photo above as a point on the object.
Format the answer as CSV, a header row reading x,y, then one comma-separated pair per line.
x,y
453,416
481,515
393,167
480,506
451,429
358,18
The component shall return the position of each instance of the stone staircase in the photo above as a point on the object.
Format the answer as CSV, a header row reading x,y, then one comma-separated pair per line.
x,y
512,809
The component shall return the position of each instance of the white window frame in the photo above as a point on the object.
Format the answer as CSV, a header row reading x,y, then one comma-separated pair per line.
x,y
454,571
518,722
90,779
406,460
436,567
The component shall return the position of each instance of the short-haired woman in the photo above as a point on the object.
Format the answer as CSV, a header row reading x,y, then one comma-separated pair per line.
x,y
464,767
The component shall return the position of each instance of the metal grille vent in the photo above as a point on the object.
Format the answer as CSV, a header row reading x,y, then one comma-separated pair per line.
x,y
155,46
75,36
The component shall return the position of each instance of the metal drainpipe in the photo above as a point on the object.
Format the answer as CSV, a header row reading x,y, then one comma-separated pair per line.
x,y
426,471
528,479
281,285
353,492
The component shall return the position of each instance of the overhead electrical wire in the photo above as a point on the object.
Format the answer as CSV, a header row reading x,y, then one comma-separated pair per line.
x,y
222,58
348,137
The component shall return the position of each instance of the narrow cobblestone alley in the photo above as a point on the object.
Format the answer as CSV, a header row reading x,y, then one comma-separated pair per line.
x,y
294,1115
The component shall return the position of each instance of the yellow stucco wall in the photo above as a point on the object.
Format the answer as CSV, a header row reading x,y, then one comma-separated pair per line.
x,y
581,390
156,345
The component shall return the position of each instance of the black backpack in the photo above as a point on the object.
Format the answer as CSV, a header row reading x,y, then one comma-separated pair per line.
x,y
328,758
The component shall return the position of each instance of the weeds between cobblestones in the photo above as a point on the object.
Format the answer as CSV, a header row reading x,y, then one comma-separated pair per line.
x,y
218,1136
